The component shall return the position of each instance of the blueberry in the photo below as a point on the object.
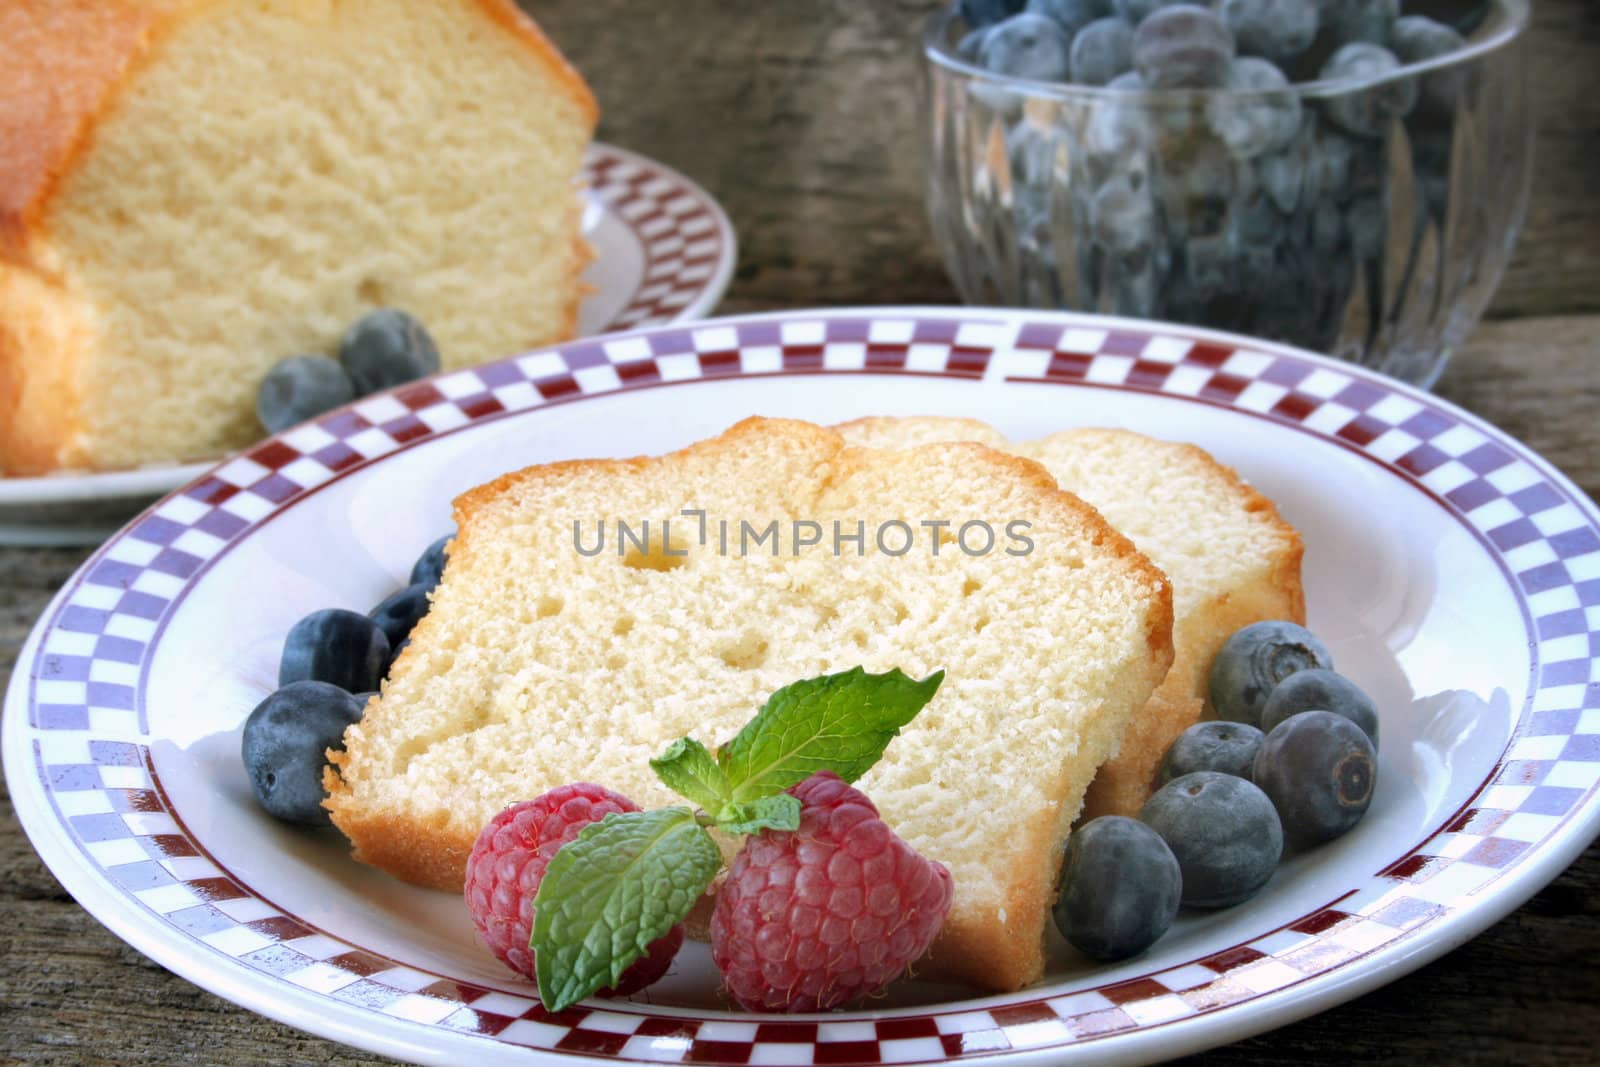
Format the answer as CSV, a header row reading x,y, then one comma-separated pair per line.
x,y
1070,15
1200,195
299,388
1032,152
1254,230
1029,204
1122,217
1254,660
1360,20
1463,16
1467,17
397,614
1369,169
1101,51
1261,217
1210,266
1120,888
342,648
284,744
1224,747
1320,690
429,567
1327,227
1027,46
1135,285
971,44
1224,832
1319,770
1120,127
1037,241
1330,161
980,13
385,348
1277,30
1368,112
1136,11
1417,39
1182,47
1259,113
1281,175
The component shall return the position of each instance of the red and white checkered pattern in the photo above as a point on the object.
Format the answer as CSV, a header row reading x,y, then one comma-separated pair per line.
x,y
89,735
681,232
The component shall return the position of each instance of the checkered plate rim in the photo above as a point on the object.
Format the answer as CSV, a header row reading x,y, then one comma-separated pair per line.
x,y
684,236
685,241
75,715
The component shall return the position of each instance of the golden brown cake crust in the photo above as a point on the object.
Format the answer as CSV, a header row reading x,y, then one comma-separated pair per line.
x,y
67,63
1127,780
1274,592
518,22
66,60
1001,949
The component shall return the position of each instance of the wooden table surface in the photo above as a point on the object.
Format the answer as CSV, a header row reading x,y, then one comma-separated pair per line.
x,y
799,118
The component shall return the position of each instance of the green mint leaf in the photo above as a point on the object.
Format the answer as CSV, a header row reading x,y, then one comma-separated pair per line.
x,y
838,722
690,771
612,890
780,812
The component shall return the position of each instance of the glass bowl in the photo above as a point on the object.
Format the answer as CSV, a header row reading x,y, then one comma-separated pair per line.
x,y
1383,249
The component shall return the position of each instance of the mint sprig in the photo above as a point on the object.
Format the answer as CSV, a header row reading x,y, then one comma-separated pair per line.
x,y
608,893
626,880
690,771
781,812
839,722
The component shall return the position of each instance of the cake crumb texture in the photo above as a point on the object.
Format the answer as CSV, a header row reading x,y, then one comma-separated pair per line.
x,y
537,666
1231,558
192,191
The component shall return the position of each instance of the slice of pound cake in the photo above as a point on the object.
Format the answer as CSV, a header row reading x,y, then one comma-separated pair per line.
x,y
541,663
193,190
1231,558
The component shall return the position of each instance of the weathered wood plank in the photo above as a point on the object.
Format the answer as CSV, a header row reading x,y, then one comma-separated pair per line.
x,y
802,119
1525,991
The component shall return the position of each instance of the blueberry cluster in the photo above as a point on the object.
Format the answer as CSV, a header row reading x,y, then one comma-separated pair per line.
x,y
332,662
1291,759
1247,205
384,348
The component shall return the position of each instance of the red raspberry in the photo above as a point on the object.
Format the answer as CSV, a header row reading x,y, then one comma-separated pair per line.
x,y
509,859
809,919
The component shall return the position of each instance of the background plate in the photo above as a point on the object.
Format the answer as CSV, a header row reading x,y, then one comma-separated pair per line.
x,y
1454,575
664,252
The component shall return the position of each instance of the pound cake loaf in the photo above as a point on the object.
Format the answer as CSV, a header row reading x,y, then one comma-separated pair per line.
x,y
192,190
538,665
1231,559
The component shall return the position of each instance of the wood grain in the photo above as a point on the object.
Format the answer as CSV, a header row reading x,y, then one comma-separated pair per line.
x,y
1527,990
802,117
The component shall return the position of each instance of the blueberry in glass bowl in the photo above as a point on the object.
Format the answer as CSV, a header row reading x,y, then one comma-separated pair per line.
x,y
1348,176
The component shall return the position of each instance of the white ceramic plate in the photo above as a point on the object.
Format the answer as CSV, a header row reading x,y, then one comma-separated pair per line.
x,y
664,252
1454,575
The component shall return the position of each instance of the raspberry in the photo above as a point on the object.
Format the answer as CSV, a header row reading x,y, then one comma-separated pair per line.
x,y
509,859
809,919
